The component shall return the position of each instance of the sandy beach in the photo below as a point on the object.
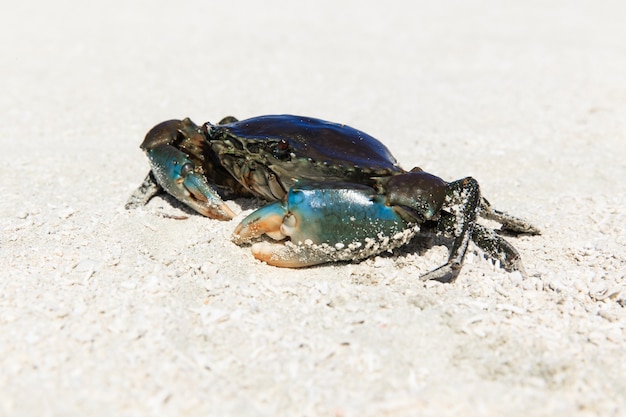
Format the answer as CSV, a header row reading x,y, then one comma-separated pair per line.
x,y
155,311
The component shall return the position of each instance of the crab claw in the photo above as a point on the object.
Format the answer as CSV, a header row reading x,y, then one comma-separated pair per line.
x,y
266,220
176,173
325,222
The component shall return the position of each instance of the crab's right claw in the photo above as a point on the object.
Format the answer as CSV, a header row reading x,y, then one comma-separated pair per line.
x,y
176,173
275,221
324,222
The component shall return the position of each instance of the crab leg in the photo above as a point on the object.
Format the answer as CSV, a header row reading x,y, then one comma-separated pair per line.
x,y
498,248
509,223
462,199
148,189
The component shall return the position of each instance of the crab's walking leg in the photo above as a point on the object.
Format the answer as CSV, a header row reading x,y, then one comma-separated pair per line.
x,y
509,223
148,189
462,199
498,248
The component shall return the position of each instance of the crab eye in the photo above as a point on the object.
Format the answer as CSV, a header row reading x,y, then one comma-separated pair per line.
x,y
186,169
281,149
282,145
208,129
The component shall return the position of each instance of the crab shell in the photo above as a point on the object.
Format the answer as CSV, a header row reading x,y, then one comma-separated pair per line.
x,y
268,154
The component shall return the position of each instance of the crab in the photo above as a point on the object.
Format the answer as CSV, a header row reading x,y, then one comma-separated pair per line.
x,y
335,193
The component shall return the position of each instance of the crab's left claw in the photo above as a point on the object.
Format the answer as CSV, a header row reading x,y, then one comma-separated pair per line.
x,y
176,172
177,175
325,222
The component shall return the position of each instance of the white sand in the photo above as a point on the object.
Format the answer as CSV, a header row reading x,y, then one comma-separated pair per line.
x,y
105,312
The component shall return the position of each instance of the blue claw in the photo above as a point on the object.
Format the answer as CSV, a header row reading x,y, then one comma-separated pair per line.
x,y
176,174
325,222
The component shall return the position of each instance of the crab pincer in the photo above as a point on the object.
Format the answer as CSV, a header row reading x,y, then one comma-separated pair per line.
x,y
178,174
325,222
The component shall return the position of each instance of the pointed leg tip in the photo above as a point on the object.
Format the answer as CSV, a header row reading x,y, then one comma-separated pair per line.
x,y
446,274
516,265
